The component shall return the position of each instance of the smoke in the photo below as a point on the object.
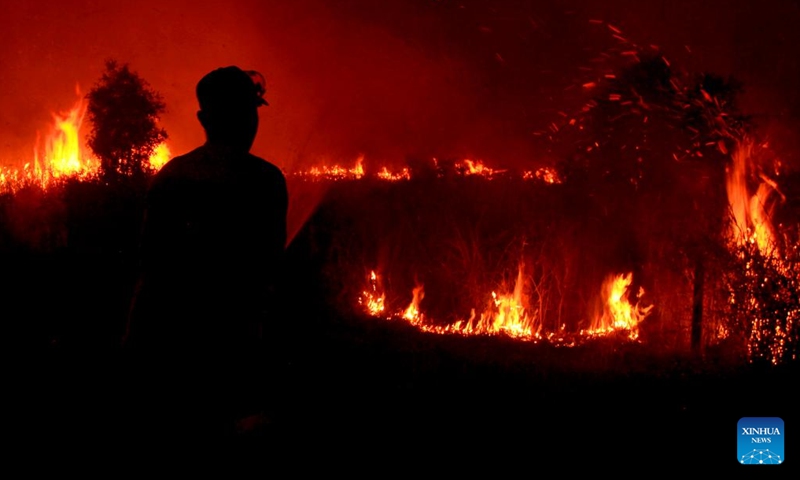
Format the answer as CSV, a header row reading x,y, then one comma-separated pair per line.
x,y
339,82
384,79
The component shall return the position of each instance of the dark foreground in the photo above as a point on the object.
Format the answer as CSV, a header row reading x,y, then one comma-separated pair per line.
x,y
349,392
358,391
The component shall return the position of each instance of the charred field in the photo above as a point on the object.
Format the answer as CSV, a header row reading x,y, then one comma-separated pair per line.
x,y
70,263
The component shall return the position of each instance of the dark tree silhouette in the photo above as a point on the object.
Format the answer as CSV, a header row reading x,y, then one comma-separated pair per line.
x,y
650,163
124,111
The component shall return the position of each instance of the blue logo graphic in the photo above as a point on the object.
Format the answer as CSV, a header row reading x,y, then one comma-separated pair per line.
x,y
760,441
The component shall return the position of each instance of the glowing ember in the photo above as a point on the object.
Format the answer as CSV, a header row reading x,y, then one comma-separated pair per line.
x,y
764,298
545,174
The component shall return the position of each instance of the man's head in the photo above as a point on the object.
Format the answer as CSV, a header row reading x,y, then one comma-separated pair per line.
x,y
229,99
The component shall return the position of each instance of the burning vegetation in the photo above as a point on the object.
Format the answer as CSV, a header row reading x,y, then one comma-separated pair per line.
x,y
656,224
63,156
666,177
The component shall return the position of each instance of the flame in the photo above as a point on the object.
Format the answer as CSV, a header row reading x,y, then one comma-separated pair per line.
x,y
335,172
466,168
63,157
160,157
385,174
770,280
618,312
469,167
412,313
373,297
751,213
507,314
358,170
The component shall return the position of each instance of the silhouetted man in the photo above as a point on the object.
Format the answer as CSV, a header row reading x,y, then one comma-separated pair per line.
x,y
212,250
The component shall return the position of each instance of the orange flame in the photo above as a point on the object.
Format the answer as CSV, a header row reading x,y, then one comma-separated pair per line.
x,y
751,224
469,167
618,312
751,214
508,314
373,297
385,174
335,172
412,313
63,155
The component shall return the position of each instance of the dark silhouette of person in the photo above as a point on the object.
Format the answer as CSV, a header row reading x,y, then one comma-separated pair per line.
x,y
212,253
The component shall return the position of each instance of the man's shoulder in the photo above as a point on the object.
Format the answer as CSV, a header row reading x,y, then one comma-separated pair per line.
x,y
179,167
266,172
205,165
265,166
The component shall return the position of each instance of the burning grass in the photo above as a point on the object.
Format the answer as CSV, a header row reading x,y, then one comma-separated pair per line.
x,y
626,239
472,256
465,255
488,254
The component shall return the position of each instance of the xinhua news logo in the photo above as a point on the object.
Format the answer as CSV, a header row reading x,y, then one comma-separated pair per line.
x,y
760,441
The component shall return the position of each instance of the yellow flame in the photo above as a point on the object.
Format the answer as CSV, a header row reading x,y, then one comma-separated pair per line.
x,y
618,312
412,313
160,157
63,155
63,152
751,215
385,174
373,298
470,167
335,172
509,314
358,170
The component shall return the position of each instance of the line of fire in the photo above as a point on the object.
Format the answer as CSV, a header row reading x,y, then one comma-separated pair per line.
x,y
640,276
668,224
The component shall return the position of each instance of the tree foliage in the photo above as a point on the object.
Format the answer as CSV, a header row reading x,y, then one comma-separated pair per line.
x,y
648,160
124,111
649,122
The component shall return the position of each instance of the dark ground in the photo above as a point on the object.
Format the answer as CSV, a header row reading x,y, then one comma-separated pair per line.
x,y
379,390
350,392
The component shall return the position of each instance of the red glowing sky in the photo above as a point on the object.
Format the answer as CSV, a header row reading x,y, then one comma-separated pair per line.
x,y
385,79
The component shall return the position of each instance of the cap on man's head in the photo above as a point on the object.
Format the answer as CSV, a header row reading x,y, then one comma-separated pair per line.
x,y
231,88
